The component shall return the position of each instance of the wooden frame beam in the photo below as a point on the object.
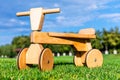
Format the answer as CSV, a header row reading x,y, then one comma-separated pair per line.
x,y
80,42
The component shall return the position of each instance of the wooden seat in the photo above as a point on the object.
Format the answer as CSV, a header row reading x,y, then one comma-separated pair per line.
x,y
71,35
87,31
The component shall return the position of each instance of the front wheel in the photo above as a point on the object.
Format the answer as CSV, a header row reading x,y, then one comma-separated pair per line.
x,y
46,60
21,59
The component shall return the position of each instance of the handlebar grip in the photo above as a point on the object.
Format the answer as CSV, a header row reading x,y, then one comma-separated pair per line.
x,y
49,11
27,13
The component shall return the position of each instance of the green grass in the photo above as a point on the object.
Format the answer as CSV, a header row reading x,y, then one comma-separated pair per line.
x,y
64,69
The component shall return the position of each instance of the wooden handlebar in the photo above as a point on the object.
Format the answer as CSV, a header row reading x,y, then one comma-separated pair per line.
x,y
49,11
46,11
27,13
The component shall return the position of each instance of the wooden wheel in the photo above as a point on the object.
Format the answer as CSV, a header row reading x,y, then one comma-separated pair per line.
x,y
46,60
21,59
77,59
94,58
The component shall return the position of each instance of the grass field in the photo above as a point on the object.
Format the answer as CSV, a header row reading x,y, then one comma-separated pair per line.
x,y
64,69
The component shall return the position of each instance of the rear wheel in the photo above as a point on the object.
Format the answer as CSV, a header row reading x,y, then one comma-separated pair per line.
x,y
94,58
77,59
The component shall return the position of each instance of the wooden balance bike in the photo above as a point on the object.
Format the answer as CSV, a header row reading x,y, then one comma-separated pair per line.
x,y
43,57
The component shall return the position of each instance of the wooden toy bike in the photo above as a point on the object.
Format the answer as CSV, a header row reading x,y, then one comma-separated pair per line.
x,y
37,54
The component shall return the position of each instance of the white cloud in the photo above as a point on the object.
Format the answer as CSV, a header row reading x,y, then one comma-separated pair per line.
x,y
92,7
117,19
17,22
56,5
72,21
117,6
114,17
110,15
23,23
91,4
12,22
60,19
21,29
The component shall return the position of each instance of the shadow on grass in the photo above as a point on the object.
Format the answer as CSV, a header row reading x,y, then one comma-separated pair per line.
x,y
61,63
55,64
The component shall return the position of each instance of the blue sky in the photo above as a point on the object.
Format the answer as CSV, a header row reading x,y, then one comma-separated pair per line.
x,y
74,15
